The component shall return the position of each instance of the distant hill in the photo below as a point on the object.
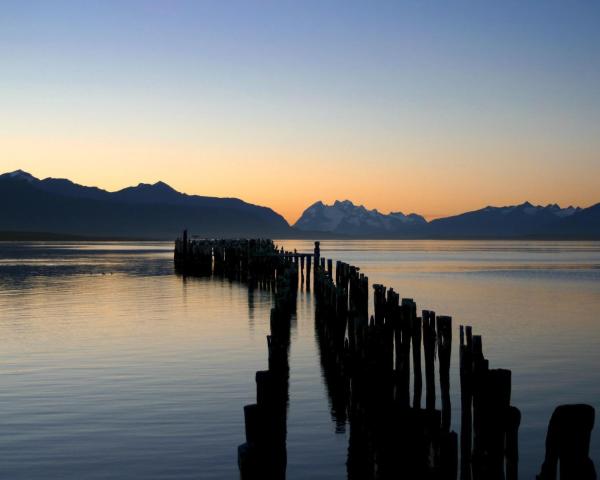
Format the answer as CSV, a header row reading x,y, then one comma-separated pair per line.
x,y
156,211
586,223
517,221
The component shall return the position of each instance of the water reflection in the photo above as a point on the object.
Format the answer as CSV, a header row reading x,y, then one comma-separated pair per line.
x,y
142,374
539,315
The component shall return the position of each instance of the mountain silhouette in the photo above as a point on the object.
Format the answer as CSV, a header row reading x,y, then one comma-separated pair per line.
x,y
524,220
515,221
157,211
145,211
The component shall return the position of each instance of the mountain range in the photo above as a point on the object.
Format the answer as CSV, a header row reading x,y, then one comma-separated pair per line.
x,y
516,221
157,211
345,218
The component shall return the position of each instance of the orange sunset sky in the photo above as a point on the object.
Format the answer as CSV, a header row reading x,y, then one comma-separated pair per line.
x,y
398,107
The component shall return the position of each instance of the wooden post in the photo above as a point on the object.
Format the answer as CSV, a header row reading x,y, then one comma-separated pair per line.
x,y
448,455
391,319
512,443
403,341
416,345
363,362
252,424
444,342
317,256
568,442
429,340
466,390
379,303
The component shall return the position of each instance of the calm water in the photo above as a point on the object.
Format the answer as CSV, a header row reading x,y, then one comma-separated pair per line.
x,y
114,367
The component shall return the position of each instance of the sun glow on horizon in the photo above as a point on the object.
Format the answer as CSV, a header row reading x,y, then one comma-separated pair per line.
x,y
396,107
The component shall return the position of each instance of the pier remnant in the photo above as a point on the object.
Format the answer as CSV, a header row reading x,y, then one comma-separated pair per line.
x,y
366,363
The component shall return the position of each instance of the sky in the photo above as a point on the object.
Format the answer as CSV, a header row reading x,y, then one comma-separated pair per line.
x,y
433,107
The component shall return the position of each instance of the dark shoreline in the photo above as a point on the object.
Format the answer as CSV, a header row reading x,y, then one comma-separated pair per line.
x,y
63,237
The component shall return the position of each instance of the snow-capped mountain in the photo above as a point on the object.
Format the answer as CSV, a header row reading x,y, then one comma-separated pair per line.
x,y
343,217
514,221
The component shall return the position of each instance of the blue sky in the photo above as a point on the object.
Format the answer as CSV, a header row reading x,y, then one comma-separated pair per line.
x,y
487,102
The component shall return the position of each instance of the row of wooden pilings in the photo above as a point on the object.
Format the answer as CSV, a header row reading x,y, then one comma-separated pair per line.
x,y
367,367
257,262
253,261
368,363
264,454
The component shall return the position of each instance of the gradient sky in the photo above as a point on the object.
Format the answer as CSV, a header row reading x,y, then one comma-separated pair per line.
x,y
418,106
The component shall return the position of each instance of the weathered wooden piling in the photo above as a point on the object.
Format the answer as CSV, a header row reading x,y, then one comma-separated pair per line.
x,y
568,444
402,324
416,348
495,422
391,312
317,257
513,421
264,454
444,346
389,438
379,300
429,341
466,390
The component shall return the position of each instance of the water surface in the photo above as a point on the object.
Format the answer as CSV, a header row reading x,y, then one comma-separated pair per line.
x,y
112,366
